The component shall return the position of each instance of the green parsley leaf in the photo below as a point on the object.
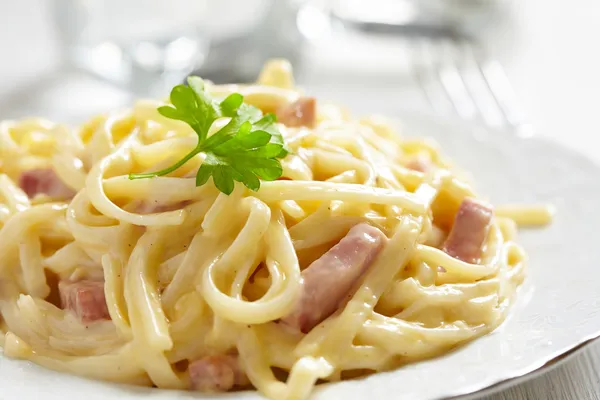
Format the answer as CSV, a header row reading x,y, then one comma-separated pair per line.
x,y
265,169
247,149
249,179
204,172
230,105
267,123
250,113
223,179
225,134
256,139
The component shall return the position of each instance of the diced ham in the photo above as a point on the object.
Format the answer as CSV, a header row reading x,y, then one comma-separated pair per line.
x,y
469,232
44,181
218,373
329,280
419,163
85,298
300,113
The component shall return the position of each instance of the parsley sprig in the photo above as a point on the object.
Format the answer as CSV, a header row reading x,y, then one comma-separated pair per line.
x,y
247,149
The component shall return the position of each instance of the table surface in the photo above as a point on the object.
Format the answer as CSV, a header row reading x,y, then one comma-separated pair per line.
x,y
546,49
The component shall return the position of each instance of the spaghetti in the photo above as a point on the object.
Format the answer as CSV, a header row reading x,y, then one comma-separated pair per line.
x,y
368,253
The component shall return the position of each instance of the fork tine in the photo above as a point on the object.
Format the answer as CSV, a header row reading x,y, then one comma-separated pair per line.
x,y
424,69
456,75
478,87
503,93
452,81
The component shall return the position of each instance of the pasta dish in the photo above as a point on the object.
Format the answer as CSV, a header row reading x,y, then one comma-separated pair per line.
x,y
243,236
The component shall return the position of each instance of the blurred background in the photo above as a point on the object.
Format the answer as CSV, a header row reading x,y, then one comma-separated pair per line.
x,y
68,59
525,65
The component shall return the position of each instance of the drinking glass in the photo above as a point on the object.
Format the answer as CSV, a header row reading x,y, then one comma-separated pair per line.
x,y
145,46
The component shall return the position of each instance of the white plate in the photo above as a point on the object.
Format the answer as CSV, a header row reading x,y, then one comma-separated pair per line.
x,y
557,309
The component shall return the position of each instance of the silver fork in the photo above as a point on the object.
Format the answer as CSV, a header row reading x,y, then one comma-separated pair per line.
x,y
453,71
457,77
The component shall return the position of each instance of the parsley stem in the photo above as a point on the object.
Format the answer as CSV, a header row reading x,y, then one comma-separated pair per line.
x,y
246,149
168,170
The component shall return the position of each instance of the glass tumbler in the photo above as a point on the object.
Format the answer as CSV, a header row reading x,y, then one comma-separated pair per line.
x,y
145,46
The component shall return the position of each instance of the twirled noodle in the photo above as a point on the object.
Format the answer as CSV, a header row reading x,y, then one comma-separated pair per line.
x,y
190,273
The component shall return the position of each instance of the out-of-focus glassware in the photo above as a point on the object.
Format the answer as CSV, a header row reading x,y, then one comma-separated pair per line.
x,y
145,46
244,34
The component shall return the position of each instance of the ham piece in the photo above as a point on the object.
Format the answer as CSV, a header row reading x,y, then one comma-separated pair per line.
x,y
330,279
44,181
85,298
469,231
419,163
299,113
217,373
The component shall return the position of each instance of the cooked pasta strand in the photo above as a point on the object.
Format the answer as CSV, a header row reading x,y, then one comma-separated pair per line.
x,y
355,260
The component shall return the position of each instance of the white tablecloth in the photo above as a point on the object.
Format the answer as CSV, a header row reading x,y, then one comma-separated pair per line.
x,y
549,51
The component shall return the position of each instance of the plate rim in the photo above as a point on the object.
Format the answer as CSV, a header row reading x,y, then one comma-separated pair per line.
x,y
559,357
559,360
